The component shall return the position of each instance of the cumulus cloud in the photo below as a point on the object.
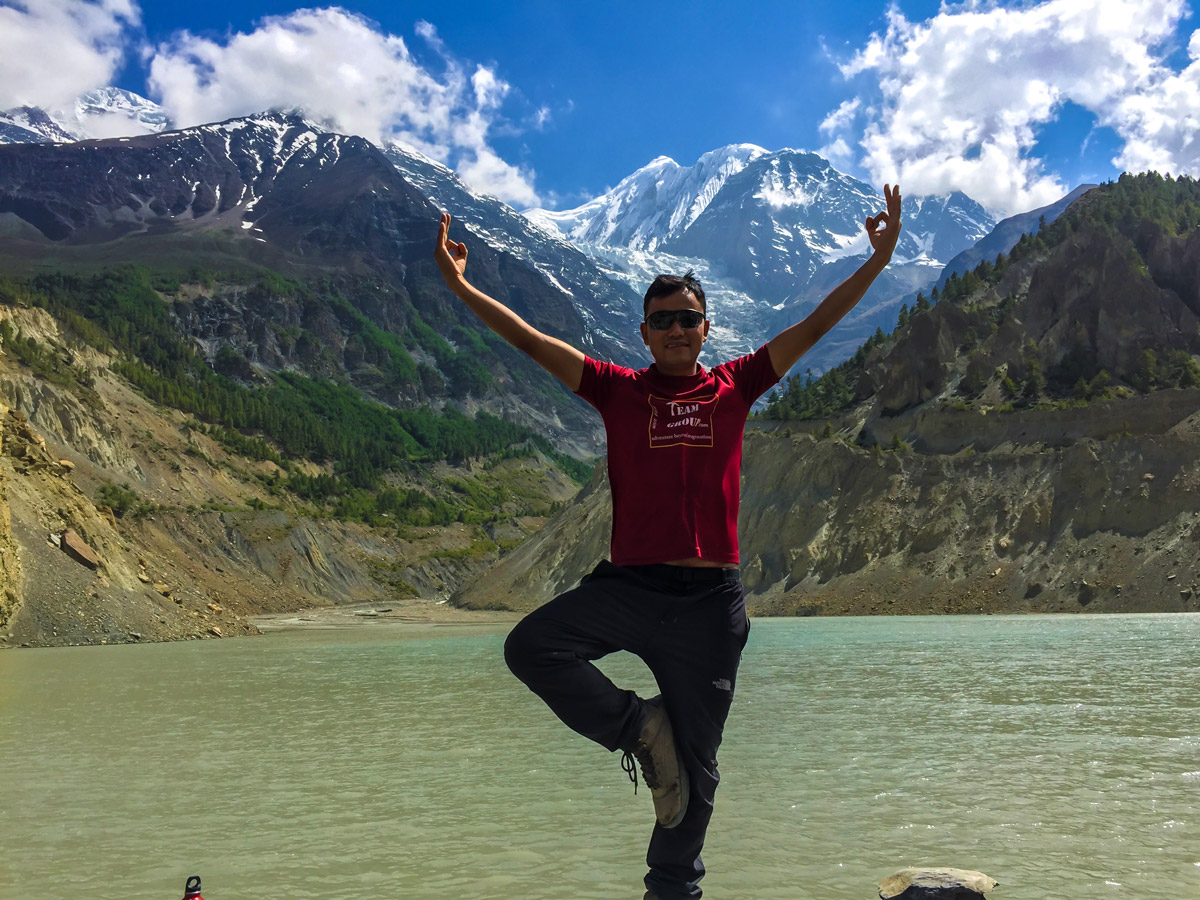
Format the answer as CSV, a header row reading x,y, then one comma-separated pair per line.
x,y
1161,126
963,95
340,68
51,51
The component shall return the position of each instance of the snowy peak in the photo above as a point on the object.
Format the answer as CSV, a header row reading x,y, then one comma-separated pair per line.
x,y
113,112
770,221
772,233
940,226
103,113
30,125
655,204
209,176
775,223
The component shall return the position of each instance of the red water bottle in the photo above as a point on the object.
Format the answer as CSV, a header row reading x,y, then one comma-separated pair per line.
x,y
191,890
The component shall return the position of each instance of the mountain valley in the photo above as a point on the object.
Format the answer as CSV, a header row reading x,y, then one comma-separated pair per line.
x,y
235,384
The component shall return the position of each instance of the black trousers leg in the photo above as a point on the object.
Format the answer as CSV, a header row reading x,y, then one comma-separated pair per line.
x,y
551,650
690,633
695,661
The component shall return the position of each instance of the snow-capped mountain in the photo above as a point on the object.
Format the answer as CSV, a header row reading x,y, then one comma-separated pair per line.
x,y
768,232
203,177
773,232
604,304
30,125
103,113
770,220
654,205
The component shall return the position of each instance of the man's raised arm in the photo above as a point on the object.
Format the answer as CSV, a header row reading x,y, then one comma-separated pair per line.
x,y
789,345
560,359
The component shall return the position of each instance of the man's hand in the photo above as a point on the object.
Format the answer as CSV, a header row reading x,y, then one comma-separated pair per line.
x,y
884,241
451,257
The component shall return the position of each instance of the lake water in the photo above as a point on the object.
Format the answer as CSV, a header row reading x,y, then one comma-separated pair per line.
x,y
1060,755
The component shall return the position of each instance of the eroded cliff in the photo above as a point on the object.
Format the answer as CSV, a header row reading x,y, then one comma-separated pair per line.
x,y
121,521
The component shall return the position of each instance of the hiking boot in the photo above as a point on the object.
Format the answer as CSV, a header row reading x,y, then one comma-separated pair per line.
x,y
662,766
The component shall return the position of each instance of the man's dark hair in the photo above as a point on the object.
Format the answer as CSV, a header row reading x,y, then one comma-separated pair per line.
x,y
665,285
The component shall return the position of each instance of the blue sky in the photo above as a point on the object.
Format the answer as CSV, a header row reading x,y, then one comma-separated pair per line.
x,y
549,103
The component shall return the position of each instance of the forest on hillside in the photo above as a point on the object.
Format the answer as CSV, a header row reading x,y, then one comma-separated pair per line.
x,y
361,449
1132,214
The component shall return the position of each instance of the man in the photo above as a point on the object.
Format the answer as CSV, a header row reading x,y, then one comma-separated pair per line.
x,y
670,592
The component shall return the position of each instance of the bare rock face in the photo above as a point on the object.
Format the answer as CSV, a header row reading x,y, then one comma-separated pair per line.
x,y
935,884
918,369
43,411
10,569
1175,264
1092,294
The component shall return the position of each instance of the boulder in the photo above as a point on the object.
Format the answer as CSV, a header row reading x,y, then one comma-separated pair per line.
x,y
76,548
935,884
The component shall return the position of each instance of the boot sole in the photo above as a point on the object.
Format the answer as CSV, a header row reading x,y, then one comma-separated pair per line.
x,y
684,793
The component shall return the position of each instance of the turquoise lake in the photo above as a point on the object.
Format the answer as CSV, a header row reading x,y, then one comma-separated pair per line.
x,y
1060,755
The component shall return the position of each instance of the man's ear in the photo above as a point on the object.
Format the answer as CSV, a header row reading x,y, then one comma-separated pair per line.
x,y
645,337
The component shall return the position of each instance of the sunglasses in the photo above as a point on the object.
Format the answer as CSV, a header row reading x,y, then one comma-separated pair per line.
x,y
663,319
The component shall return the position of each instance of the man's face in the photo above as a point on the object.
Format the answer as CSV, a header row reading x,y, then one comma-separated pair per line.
x,y
675,349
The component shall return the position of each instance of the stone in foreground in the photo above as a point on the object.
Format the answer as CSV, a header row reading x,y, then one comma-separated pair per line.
x,y
935,884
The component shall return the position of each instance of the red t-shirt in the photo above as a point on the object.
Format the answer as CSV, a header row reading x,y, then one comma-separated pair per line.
x,y
675,454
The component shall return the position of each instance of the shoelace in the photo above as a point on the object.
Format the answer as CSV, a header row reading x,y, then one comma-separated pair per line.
x,y
630,768
649,773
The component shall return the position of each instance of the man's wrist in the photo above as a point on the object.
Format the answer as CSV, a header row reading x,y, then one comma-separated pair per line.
x,y
879,259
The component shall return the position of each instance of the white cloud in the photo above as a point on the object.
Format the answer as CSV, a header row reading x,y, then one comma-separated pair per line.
x,y
838,153
843,116
1161,126
340,68
965,93
51,51
509,183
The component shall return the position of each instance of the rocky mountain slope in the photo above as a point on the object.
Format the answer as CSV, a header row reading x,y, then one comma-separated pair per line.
x,y
1107,523
609,307
1029,443
605,304
1004,236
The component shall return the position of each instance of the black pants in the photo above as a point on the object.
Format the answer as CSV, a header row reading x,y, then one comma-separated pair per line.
x,y
689,625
